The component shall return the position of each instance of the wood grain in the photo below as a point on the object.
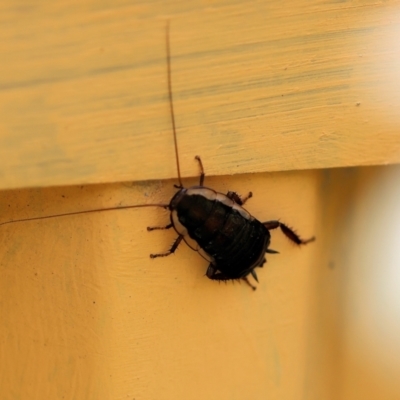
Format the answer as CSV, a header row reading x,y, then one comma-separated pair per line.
x,y
258,86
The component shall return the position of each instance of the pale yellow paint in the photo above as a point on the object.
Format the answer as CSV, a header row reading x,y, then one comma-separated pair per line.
x,y
86,314
258,87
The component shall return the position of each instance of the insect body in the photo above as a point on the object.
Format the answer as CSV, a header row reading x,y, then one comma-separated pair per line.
x,y
227,236
222,231
214,224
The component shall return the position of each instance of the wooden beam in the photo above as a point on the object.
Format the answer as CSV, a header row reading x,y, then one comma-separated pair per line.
x,y
260,86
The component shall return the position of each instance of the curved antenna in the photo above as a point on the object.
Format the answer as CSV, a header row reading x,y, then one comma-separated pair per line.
x,y
171,104
83,212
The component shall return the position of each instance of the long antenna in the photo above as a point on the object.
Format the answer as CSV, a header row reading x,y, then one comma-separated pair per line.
x,y
83,212
171,104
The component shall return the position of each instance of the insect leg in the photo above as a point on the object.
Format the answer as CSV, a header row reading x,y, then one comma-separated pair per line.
x,y
152,228
237,198
249,196
202,174
171,250
289,233
248,282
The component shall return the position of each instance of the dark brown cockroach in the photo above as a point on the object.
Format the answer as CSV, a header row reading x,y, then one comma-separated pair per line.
x,y
214,224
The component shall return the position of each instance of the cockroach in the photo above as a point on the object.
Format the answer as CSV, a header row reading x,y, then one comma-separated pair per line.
x,y
211,223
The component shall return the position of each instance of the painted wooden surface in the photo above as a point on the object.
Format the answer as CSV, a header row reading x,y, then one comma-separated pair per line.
x,y
258,86
86,314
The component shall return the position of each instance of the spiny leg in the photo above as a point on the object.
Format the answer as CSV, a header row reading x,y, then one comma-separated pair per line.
x,y
254,275
249,196
202,174
171,250
248,282
237,198
153,228
289,233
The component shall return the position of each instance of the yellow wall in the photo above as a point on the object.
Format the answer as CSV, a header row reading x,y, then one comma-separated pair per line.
x,y
90,315
259,87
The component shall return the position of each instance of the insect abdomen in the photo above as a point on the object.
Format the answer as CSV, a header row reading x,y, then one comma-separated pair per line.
x,y
233,239
239,246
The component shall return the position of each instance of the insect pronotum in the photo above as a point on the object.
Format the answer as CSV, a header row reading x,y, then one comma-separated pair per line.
x,y
212,223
